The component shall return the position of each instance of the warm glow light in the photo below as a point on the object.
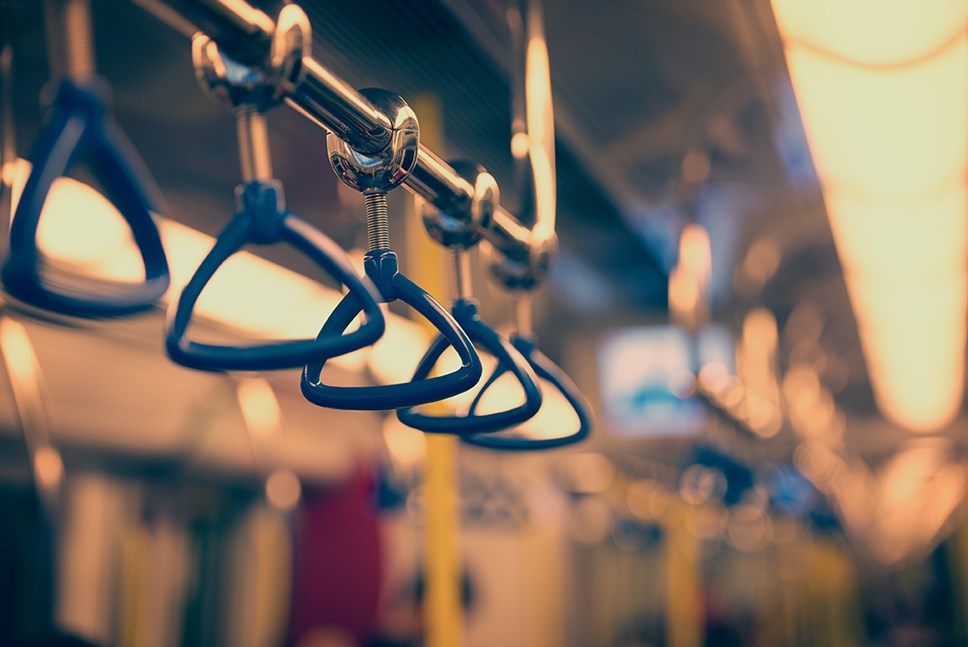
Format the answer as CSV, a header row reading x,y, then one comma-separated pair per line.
x,y
810,406
694,252
48,468
800,383
81,230
250,293
918,482
762,416
504,393
689,280
555,418
919,234
758,266
825,468
756,357
682,383
898,510
684,294
541,127
913,336
733,399
283,489
84,232
882,88
757,401
259,406
885,133
520,145
867,31
406,446
393,358
18,351
23,368
254,295
759,330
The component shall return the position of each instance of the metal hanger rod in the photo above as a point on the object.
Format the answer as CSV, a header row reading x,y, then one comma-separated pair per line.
x,y
245,32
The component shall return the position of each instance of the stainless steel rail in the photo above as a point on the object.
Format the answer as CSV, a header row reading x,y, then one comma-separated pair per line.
x,y
245,33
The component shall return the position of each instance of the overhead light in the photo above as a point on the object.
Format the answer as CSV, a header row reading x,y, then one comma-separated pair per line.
x,y
689,279
872,32
260,407
882,89
283,489
756,355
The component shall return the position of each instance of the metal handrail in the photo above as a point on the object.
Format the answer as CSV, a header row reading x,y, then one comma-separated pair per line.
x,y
246,34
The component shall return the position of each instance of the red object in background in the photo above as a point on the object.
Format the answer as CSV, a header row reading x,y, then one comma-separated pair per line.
x,y
338,561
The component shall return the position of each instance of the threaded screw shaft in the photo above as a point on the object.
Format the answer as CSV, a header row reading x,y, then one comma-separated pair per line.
x,y
70,38
377,219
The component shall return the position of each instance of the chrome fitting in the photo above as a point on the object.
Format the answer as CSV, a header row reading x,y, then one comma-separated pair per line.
x,y
462,225
229,81
526,272
389,167
291,41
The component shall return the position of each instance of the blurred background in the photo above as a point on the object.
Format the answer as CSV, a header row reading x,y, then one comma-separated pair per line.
x,y
761,288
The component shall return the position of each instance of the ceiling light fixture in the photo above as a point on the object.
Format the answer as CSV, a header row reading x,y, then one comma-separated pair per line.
x,y
882,89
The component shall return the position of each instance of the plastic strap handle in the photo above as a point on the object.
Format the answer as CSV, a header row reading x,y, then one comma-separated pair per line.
x,y
552,374
508,360
395,396
246,228
79,124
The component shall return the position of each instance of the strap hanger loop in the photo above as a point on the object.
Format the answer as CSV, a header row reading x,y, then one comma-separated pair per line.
x,y
373,175
533,122
551,375
458,230
262,219
79,126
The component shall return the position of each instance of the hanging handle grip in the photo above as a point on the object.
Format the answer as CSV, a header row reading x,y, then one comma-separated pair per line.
x,y
381,265
263,219
508,360
556,378
79,125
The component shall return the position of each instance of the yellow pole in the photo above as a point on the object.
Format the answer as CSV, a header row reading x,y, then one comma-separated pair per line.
x,y
683,608
442,609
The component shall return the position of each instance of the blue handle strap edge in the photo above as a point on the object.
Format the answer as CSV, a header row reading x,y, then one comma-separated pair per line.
x,y
79,123
509,360
277,354
407,394
550,372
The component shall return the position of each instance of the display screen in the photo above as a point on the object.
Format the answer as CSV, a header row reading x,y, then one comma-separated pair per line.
x,y
646,376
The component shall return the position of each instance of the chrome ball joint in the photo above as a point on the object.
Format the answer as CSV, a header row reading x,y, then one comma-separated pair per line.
x,y
374,174
237,84
526,272
388,168
461,226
